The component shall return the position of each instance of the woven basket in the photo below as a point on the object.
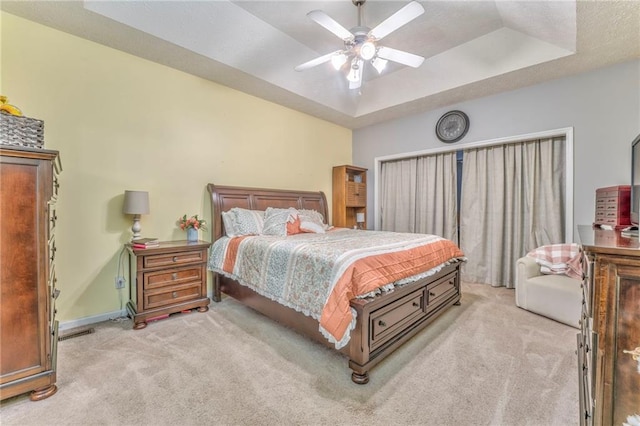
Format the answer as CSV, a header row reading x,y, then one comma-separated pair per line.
x,y
21,131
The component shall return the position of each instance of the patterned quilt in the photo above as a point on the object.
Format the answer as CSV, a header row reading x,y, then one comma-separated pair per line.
x,y
318,274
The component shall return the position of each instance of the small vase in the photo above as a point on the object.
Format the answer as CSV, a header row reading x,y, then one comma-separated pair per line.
x,y
192,234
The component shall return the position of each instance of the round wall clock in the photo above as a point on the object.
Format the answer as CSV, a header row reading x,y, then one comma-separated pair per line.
x,y
452,126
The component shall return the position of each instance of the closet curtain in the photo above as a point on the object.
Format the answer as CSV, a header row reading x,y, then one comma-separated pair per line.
x,y
512,201
419,195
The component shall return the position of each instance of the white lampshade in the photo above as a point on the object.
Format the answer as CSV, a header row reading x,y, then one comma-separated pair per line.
x,y
360,217
135,202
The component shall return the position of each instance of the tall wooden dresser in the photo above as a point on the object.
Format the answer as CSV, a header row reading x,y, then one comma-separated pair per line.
x,y
609,341
28,329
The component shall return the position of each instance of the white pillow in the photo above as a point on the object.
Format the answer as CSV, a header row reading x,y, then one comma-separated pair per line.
x,y
246,222
312,221
227,220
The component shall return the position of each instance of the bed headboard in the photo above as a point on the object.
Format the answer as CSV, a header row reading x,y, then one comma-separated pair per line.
x,y
224,198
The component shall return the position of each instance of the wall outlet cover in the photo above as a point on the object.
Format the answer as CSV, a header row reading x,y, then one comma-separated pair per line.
x,y
120,281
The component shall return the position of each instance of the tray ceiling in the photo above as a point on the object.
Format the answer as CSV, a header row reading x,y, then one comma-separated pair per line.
x,y
472,48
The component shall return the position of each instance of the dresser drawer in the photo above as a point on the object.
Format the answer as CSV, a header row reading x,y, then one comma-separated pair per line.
x,y
158,260
386,321
172,277
440,291
171,295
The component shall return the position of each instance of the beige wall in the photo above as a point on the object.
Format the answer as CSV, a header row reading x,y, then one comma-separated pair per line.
x,y
121,122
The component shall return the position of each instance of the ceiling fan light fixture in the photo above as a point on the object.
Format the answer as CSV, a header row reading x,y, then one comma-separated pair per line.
x,y
367,50
361,43
338,60
355,73
379,64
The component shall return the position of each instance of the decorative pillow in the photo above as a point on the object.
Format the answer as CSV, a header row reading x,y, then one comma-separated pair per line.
x,y
275,220
247,222
227,221
294,227
312,221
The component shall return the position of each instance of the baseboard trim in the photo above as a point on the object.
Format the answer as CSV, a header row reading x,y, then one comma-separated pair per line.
x,y
83,322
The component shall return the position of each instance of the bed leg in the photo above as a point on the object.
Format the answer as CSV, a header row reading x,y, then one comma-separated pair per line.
x,y
216,296
360,379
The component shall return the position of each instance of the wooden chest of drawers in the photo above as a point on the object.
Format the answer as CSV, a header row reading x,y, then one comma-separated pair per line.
x,y
609,340
613,206
28,325
166,279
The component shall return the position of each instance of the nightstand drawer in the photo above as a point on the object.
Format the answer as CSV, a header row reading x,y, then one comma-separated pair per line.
x,y
154,261
171,277
170,296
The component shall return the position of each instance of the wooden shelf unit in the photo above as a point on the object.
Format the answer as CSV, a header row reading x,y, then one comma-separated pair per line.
x,y
349,196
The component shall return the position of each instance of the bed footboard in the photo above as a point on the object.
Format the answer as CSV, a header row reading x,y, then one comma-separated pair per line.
x,y
385,323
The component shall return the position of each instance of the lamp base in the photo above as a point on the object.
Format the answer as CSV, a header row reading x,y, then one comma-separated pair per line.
x,y
136,228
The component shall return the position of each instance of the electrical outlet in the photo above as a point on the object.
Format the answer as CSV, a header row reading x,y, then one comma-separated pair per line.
x,y
120,282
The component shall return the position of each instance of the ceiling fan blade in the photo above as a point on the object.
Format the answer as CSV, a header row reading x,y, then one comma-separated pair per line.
x,y
400,57
398,19
330,24
317,61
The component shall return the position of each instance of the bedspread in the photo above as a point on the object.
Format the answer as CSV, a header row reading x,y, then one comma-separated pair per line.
x,y
318,274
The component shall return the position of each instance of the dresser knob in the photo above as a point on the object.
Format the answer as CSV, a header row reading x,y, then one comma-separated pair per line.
x,y
174,294
432,294
635,354
174,276
416,304
382,323
175,258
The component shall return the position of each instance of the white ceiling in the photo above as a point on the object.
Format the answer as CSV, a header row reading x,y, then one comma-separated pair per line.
x,y
472,48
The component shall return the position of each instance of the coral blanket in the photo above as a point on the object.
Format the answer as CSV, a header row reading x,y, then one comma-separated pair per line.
x,y
318,274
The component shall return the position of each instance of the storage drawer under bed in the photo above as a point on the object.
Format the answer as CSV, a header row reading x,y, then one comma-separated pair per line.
x,y
440,291
386,321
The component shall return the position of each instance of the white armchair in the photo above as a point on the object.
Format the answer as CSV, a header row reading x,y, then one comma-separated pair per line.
x,y
554,296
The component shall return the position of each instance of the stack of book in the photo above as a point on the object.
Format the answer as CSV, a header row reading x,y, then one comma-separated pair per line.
x,y
143,243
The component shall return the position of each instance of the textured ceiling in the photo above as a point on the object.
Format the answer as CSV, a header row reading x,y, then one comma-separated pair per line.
x,y
471,48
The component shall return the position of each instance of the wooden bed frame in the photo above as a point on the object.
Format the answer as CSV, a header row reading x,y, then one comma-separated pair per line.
x,y
383,323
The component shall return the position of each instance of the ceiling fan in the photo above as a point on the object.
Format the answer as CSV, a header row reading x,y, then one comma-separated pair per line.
x,y
361,43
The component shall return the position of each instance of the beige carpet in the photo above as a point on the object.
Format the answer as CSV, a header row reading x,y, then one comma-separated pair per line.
x,y
486,362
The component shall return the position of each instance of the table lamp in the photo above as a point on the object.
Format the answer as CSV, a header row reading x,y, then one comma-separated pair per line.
x,y
360,220
136,203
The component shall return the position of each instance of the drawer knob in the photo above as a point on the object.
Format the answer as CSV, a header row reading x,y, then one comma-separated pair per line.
x,y
382,323
175,258
174,276
174,294
416,304
432,294
635,354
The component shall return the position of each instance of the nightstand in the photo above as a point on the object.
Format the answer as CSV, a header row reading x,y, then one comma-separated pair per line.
x,y
169,278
